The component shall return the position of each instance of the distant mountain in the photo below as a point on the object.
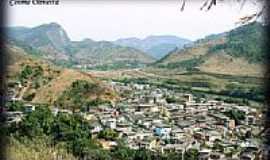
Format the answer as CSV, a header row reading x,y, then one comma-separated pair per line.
x,y
155,46
239,51
49,38
51,41
106,53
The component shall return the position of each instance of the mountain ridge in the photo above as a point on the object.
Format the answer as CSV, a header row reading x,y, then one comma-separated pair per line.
x,y
53,43
155,46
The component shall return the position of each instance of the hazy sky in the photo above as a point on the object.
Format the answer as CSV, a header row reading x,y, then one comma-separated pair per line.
x,y
101,20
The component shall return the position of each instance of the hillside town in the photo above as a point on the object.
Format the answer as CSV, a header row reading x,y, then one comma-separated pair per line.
x,y
146,118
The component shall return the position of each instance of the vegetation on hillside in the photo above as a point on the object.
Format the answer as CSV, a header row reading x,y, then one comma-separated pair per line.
x,y
117,65
189,65
50,41
240,51
43,82
32,77
81,93
37,148
69,132
69,136
108,134
246,41
27,48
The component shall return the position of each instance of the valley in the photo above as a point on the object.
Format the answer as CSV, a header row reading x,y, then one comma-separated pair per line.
x,y
93,99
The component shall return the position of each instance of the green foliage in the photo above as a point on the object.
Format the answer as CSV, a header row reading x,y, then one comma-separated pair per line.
x,y
142,154
15,106
63,128
72,134
201,84
78,95
82,86
237,115
123,152
189,64
31,72
36,123
171,99
108,134
64,63
174,156
26,72
117,65
246,41
252,93
33,76
67,127
73,131
217,146
233,100
139,80
191,154
27,48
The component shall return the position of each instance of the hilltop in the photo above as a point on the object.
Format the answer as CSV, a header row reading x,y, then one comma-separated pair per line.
x,y
43,82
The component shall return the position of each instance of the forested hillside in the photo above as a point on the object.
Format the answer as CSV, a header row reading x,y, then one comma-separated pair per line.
x,y
239,51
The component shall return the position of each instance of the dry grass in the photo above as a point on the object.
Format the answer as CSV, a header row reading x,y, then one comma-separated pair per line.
x,y
61,79
199,49
225,64
185,55
37,150
17,58
50,92
220,63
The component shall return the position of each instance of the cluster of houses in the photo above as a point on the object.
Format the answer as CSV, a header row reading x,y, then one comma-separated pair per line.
x,y
145,119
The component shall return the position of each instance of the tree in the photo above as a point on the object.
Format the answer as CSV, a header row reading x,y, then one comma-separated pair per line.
x,y
174,156
15,106
142,154
108,134
191,154
37,123
123,152
237,115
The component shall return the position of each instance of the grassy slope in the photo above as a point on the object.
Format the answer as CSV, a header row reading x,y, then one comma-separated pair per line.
x,y
219,55
220,63
199,49
57,80
226,64
37,149
50,92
